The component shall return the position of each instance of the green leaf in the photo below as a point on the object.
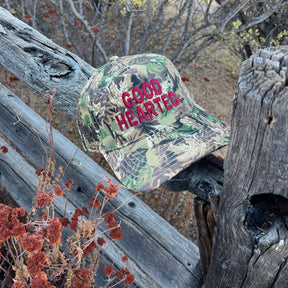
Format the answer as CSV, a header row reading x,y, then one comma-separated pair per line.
x,y
87,120
185,130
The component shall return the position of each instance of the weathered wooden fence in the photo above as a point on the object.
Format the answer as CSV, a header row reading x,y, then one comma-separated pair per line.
x,y
251,211
250,247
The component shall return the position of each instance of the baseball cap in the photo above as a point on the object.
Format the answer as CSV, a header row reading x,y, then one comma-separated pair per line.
x,y
139,114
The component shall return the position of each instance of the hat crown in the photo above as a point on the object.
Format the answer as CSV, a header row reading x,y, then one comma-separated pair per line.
x,y
135,97
138,113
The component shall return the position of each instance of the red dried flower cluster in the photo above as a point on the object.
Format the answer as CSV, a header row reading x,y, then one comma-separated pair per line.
x,y
124,272
120,274
94,202
53,11
43,198
74,223
31,242
69,46
101,241
18,284
129,279
89,249
68,184
39,282
124,259
109,217
74,219
36,263
99,186
10,225
13,79
40,171
47,229
54,234
108,270
81,279
185,79
112,223
5,211
64,221
58,191
4,149
111,191
116,234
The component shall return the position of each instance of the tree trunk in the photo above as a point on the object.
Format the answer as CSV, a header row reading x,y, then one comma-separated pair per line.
x,y
250,247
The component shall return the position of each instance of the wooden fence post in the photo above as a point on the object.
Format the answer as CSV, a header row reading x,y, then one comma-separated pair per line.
x,y
250,247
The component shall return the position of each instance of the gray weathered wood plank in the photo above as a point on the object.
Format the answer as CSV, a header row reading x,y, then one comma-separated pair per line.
x,y
162,256
42,64
250,247
206,225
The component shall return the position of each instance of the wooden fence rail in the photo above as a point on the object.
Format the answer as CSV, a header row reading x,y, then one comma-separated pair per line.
x,y
250,247
158,253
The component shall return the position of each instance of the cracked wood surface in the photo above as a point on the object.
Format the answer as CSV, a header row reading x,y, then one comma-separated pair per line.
x,y
42,64
250,247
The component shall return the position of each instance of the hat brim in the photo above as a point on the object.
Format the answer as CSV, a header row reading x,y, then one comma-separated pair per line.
x,y
146,164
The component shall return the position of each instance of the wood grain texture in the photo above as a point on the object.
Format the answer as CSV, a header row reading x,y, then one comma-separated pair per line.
x,y
159,255
42,64
204,178
250,247
206,225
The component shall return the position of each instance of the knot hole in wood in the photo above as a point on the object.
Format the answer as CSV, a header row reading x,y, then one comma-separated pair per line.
x,y
132,204
266,213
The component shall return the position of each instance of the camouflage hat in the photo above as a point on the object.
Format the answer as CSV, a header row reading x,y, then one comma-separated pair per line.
x,y
137,111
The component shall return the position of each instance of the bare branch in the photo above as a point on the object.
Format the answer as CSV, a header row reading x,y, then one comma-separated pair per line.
x,y
89,29
187,60
185,44
173,26
7,5
232,14
59,5
34,14
154,27
128,33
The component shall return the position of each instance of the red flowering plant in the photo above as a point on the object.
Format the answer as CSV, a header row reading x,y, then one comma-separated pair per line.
x,y
38,254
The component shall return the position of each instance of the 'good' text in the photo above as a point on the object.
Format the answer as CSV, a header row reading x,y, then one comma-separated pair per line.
x,y
149,102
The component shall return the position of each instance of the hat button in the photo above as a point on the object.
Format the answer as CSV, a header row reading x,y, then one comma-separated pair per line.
x,y
113,58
